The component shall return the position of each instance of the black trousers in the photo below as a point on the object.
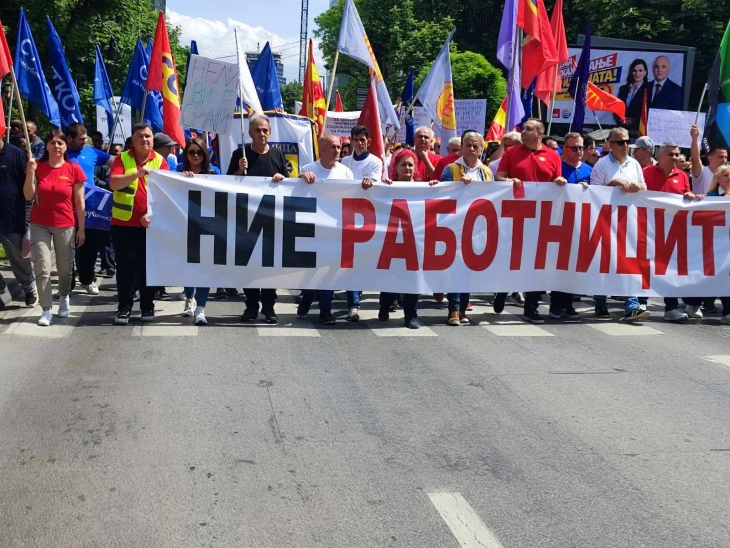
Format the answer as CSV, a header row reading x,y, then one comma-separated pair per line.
x,y
532,299
86,255
106,248
561,300
131,251
410,303
267,298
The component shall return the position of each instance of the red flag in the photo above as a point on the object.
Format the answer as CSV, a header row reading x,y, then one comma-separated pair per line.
x,y
313,102
162,76
538,48
6,60
498,129
546,80
597,99
3,125
370,118
644,118
338,103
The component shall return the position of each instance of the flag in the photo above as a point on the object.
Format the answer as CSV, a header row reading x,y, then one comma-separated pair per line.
x,y
31,81
437,93
514,111
370,118
644,118
547,83
538,48
63,86
266,81
246,87
527,96
498,127
313,102
162,77
597,99
578,87
6,65
353,42
103,92
134,89
193,51
406,98
338,103
717,121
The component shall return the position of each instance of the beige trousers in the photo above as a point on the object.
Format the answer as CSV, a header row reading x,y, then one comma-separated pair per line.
x,y
40,252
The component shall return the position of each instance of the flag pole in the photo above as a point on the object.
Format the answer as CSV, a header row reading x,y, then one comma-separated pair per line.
x,y
577,85
699,107
10,112
22,113
598,122
117,109
329,90
510,85
240,92
552,99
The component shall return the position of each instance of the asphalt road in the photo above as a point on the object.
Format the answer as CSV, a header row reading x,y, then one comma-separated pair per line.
x,y
587,434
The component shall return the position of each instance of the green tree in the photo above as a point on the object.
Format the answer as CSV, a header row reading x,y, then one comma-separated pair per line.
x,y
289,93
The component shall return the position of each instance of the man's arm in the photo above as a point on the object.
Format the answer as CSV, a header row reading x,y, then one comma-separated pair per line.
x,y
430,168
694,152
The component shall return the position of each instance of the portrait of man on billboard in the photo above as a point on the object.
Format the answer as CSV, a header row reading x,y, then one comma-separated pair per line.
x,y
665,94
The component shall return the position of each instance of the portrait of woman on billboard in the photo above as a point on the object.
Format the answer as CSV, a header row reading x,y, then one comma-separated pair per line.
x,y
632,92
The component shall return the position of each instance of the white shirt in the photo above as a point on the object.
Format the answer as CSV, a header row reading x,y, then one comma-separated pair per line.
x,y
701,184
494,166
371,167
337,172
609,168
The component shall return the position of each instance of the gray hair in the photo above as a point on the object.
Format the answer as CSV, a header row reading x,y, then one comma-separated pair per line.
x,y
667,145
617,131
259,118
515,136
473,134
424,128
455,141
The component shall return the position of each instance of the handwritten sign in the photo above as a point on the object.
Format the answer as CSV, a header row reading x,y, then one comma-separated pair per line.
x,y
672,126
210,95
470,114
124,125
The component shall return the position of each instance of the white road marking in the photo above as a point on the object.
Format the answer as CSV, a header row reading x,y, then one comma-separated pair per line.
x,y
382,329
624,330
302,329
465,524
719,359
521,330
165,331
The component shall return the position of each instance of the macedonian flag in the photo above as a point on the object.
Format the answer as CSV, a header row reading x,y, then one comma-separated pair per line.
x,y
313,103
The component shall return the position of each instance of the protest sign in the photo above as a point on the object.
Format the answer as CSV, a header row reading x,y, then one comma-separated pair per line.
x,y
672,126
412,238
124,126
340,123
210,95
471,114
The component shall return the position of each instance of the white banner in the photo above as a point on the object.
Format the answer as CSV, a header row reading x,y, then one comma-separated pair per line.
x,y
672,126
124,125
211,90
411,238
340,123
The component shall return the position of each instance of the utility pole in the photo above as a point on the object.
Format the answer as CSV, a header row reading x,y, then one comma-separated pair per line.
x,y
303,40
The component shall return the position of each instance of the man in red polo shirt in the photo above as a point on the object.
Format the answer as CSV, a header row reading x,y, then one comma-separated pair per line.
x,y
535,163
665,176
427,160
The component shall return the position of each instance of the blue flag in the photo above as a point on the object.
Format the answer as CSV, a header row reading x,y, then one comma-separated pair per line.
x,y
31,81
578,87
527,96
266,81
62,84
407,98
193,51
134,88
103,91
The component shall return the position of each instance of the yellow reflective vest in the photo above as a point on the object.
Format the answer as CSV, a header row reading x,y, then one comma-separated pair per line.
x,y
123,200
457,172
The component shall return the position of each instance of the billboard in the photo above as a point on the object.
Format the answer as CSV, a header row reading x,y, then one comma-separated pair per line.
x,y
626,74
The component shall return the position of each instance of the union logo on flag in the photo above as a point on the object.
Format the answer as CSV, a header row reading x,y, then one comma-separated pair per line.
x,y
445,109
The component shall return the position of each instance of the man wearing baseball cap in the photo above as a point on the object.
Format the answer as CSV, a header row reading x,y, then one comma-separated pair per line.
x,y
644,151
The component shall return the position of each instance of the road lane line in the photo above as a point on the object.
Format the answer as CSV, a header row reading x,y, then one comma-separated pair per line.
x,y
463,521
719,359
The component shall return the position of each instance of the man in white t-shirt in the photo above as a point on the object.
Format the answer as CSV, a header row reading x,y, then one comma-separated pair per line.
x,y
327,167
510,139
619,169
363,164
702,175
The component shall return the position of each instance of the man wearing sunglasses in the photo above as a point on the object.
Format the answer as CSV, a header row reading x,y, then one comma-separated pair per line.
x,y
619,169
574,170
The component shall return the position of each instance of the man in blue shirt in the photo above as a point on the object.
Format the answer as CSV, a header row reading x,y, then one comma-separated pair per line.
x,y
89,158
574,170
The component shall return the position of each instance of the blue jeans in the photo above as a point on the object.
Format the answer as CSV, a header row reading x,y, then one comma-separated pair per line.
x,y
326,296
630,303
200,294
458,301
353,299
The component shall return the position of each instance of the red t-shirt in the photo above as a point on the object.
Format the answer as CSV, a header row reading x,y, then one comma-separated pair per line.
x,y
420,173
55,205
443,162
532,166
676,182
140,198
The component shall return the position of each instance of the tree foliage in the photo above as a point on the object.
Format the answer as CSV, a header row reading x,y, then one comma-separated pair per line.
x,y
290,92
84,24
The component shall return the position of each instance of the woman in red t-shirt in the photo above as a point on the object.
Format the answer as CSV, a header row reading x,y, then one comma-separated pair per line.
x,y
56,187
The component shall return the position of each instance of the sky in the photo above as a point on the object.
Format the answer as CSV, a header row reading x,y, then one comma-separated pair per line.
x,y
212,23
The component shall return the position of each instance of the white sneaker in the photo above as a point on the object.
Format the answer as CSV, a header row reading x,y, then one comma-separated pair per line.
x,y
189,307
725,319
200,316
693,312
45,319
91,289
675,315
642,307
63,307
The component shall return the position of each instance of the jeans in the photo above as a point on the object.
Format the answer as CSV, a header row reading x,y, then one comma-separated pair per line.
x,y
410,303
267,297
630,303
86,256
64,245
22,268
458,301
200,294
353,299
131,251
326,296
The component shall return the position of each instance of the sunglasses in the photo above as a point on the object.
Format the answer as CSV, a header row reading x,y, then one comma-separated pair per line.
x,y
195,152
622,142
673,154
576,149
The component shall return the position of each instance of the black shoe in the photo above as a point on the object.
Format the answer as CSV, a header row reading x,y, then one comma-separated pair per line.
x,y
635,315
498,304
383,314
518,297
111,272
162,296
570,313
221,294
411,323
532,317
3,289
31,298
250,315
326,318
555,313
298,298
710,309
393,307
122,317
602,312
232,292
147,316
302,311
270,316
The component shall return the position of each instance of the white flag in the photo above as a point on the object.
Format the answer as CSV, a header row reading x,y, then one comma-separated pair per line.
x,y
354,43
246,87
437,93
